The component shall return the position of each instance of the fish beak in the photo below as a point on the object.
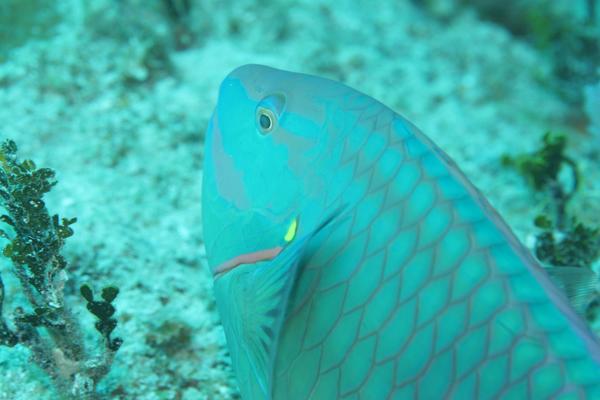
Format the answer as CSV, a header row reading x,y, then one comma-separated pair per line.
x,y
247,258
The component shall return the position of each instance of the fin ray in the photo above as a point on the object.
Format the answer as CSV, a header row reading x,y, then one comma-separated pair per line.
x,y
578,284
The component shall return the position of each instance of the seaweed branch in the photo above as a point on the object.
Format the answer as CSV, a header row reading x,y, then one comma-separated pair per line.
x,y
563,240
541,169
49,330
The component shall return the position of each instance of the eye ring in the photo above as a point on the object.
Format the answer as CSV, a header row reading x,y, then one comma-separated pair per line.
x,y
265,120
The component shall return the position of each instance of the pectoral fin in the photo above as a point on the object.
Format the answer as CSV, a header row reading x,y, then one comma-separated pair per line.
x,y
579,285
253,300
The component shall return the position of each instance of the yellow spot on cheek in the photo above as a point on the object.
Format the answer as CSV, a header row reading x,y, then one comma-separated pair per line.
x,y
291,232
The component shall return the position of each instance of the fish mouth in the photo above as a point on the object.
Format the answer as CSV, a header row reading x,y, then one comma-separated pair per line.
x,y
246,258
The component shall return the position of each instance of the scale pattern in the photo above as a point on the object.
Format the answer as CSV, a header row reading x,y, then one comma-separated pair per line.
x,y
422,291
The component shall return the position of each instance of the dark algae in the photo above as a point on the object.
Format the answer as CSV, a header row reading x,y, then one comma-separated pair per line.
x,y
563,240
48,326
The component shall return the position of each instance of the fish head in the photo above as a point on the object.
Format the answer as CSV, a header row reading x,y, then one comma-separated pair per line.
x,y
265,163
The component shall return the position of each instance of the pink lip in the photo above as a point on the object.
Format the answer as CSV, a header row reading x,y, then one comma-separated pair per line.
x,y
248,258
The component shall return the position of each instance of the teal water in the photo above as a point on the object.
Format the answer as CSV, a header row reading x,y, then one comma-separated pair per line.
x,y
115,96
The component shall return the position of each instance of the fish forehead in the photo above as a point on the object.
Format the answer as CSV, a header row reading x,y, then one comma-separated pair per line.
x,y
295,139
259,80
308,103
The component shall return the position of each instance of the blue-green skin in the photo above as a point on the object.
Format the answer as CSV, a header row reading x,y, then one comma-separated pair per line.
x,y
416,288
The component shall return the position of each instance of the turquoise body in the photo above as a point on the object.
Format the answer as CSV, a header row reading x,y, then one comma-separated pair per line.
x,y
352,258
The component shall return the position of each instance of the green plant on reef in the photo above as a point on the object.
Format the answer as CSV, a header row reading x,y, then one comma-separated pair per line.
x,y
541,170
579,245
563,241
104,311
49,330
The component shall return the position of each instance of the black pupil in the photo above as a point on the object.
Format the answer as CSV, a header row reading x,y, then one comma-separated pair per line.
x,y
265,121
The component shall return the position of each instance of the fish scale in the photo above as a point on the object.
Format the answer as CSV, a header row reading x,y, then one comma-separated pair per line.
x,y
416,289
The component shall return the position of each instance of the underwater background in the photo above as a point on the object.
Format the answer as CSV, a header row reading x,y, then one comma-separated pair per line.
x,y
115,95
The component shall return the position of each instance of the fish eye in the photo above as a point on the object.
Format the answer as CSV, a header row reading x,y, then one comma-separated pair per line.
x,y
266,120
268,112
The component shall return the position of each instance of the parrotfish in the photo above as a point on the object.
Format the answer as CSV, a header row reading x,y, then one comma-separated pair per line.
x,y
352,259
